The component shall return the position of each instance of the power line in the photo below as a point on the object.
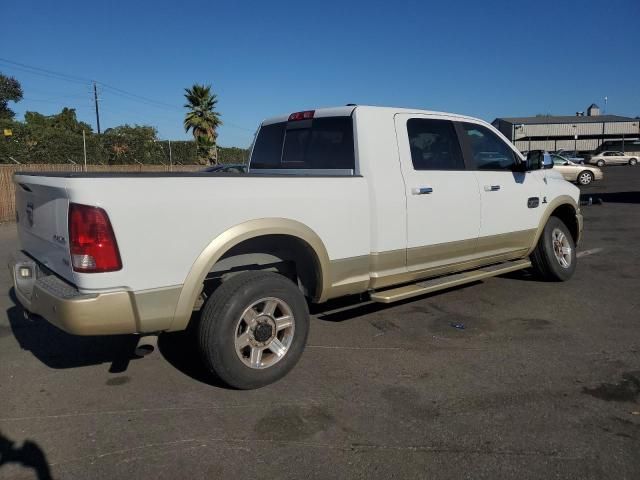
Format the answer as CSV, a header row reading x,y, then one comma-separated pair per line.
x,y
134,96
44,72
72,78
40,100
114,90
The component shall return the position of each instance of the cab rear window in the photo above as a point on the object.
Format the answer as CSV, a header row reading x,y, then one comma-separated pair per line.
x,y
324,143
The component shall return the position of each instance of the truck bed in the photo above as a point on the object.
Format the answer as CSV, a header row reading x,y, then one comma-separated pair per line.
x,y
164,221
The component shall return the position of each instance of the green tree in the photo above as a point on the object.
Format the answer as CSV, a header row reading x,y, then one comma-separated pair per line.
x,y
10,90
128,144
203,121
50,138
66,121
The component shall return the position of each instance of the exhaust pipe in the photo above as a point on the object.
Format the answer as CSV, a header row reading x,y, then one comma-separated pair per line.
x,y
146,345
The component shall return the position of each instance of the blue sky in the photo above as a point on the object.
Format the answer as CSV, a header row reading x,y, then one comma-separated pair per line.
x,y
481,58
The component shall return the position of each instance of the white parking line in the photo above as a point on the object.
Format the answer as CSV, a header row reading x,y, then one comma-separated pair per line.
x,y
336,347
592,251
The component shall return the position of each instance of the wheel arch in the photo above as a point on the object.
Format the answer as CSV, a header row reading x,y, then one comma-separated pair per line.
x,y
566,209
292,232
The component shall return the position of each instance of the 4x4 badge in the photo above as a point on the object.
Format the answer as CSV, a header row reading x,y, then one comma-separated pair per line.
x,y
533,202
30,213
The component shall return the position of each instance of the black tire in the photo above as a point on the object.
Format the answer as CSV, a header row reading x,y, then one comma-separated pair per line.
x,y
600,163
219,323
633,161
545,263
585,177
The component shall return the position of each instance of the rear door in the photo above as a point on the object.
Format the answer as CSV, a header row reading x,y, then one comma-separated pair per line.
x,y
443,200
512,201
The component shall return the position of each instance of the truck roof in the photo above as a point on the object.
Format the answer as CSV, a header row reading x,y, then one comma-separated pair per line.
x,y
346,110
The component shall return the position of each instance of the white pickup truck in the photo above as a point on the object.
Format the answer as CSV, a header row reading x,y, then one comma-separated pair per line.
x,y
387,202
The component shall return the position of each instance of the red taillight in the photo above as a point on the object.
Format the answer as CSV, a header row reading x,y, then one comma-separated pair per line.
x,y
91,239
306,115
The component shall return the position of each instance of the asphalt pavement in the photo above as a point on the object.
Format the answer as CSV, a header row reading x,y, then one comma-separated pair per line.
x,y
543,381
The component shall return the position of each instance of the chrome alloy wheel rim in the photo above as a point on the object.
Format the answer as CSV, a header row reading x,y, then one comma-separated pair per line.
x,y
561,248
585,178
264,333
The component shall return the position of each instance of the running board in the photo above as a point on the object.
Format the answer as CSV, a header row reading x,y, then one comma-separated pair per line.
x,y
448,281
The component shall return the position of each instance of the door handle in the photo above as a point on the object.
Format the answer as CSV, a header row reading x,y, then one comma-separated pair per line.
x,y
421,190
491,188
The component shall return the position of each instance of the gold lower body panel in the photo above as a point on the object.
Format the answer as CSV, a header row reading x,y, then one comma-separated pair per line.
x,y
383,269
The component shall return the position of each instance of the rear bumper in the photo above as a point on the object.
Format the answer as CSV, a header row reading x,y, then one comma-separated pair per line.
x,y
108,313
65,307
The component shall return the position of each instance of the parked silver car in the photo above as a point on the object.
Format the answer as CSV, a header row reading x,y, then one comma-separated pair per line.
x,y
614,158
573,172
572,156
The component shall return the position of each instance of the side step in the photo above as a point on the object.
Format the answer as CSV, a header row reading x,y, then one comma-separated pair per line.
x,y
448,281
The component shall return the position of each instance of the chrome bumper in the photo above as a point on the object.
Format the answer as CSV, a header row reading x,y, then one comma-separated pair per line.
x,y
61,304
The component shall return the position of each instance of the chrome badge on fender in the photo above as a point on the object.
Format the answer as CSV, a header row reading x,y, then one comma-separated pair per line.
x,y
60,239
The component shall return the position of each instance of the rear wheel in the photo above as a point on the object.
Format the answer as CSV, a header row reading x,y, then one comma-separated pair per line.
x,y
633,161
554,258
253,329
600,163
585,177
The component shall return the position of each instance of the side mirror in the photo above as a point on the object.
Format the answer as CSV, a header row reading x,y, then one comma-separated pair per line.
x,y
538,160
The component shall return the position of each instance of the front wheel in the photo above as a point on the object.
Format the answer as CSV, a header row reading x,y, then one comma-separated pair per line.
x,y
554,258
600,163
585,178
633,161
253,329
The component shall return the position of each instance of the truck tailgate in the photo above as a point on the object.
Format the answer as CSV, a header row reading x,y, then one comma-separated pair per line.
x,y
42,223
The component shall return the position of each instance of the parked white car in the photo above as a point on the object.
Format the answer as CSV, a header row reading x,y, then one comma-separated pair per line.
x,y
613,158
573,172
385,202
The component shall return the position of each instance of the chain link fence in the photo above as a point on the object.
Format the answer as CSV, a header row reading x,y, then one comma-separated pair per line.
x,y
63,148
7,187
62,151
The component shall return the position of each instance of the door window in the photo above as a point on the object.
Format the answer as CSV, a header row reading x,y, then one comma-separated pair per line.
x,y
488,150
434,145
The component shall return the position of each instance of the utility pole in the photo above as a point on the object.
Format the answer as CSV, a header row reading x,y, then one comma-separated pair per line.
x,y
95,99
84,148
170,161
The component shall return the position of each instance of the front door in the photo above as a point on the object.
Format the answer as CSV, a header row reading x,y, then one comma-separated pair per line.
x,y
443,199
512,201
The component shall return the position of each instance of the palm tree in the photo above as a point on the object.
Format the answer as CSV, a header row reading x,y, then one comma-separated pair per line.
x,y
203,120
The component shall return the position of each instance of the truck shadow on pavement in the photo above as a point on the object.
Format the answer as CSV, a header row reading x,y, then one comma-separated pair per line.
x,y
612,197
354,306
180,350
526,275
59,350
29,454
